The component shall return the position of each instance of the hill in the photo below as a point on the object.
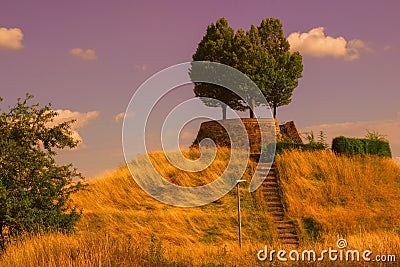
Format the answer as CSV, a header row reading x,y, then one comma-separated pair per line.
x,y
328,196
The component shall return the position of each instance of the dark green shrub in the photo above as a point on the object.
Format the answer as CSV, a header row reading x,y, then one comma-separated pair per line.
x,y
312,228
359,146
35,190
281,146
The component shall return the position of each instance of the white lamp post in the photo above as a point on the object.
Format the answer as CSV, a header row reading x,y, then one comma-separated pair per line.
x,y
239,216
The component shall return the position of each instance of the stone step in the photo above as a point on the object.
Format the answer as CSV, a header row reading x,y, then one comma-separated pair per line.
x,y
274,204
286,228
288,236
270,184
269,196
275,209
266,168
270,189
287,233
291,230
266,173
278,214
284,222
289,242
272,193
272,198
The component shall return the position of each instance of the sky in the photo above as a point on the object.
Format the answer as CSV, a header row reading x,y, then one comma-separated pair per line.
x,y
88,57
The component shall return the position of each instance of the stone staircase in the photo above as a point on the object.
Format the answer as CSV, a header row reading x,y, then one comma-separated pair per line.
x,y
270,190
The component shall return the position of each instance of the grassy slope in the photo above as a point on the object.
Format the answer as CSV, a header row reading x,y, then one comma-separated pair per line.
x,y
331,197
354,198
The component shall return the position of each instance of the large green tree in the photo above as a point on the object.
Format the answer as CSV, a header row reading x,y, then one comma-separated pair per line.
x,y
277,79
262,53
250,58
216,46
34,190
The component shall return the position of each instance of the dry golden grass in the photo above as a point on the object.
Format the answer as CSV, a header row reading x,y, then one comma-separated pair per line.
x,y
344,195
352,198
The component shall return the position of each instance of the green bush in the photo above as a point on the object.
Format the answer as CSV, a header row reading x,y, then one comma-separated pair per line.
x,y
359,146
279,147
312,228
35,190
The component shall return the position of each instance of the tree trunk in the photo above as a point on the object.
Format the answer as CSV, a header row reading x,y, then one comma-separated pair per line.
x,y
252,104
223,112
275,111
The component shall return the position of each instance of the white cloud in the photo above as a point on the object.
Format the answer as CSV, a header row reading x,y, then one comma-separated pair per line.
x,y
82,119
188,135
142,67
390,128
315,43
11,38
88,54
119,117
387,47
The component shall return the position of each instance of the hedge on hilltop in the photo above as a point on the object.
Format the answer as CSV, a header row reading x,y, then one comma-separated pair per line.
x,y
281,146
360,146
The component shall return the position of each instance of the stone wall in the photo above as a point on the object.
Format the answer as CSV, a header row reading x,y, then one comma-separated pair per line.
x,y
215,131
289,133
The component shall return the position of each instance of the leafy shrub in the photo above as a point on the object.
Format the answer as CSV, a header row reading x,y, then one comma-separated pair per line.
x,y
34,190
281,146
312,228
359,146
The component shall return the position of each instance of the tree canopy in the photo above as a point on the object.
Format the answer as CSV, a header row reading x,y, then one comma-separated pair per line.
x,y
262,53
284,69
216,46
34,190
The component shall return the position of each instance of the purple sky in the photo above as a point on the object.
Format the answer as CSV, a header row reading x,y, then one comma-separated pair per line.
x,y
132,41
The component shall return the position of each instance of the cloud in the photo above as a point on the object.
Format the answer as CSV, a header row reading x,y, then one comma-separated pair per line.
x,y
142,67
390,128
315,43
119,117
88,54
188,135
82,119
388,47
11,38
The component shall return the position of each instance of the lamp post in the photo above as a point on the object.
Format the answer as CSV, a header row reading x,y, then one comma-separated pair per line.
x,y
239,216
